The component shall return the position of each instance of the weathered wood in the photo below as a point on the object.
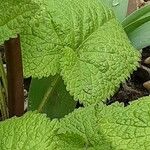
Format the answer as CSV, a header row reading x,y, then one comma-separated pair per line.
x,y
15,77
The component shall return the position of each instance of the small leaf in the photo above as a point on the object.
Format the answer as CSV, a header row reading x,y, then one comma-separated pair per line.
x,y
107,127
58,101
32,131
78,130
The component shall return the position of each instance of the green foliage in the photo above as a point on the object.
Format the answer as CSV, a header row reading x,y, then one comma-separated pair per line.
x,y
136,19
33,131
107,128
137,25
85,44
15,15
95,127
3,89
82,41
96,69
55,101
58,27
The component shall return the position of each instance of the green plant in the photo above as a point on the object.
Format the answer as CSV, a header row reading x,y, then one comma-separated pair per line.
x,y
3,89
81,43
92,128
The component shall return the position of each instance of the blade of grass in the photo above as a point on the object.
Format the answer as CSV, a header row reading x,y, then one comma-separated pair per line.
x,y
49,92
134,25
136,15
140,37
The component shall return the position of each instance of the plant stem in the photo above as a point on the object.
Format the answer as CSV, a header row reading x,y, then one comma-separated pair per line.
x,y
49,93
4,78
3,104
15,77
3,99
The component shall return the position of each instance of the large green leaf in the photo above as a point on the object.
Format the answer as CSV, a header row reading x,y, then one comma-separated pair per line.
x,y
94,71
14,16
33,131
51,99
59,23
82,40
107,128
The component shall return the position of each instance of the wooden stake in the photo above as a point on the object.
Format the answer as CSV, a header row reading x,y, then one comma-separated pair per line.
x,y
15,77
